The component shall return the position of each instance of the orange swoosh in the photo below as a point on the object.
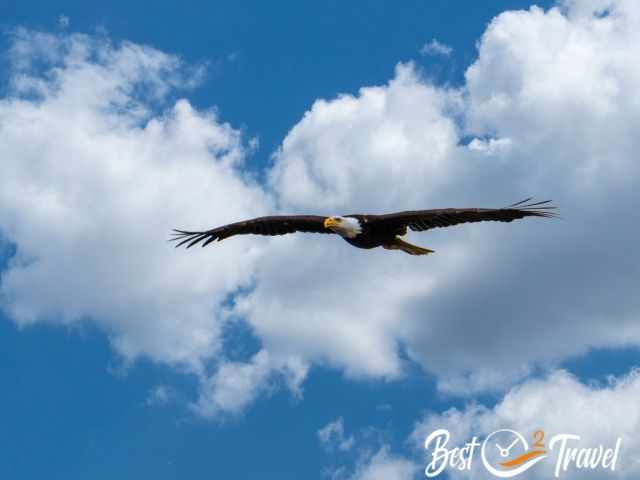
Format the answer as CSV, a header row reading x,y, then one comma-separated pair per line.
x,y
522,458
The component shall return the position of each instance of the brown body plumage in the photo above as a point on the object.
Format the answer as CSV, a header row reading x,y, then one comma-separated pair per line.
x,y
368,231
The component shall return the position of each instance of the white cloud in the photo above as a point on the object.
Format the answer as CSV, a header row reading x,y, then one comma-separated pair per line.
x,y
332,436
375,464
93,181
491,146
562,89
63,21
236,385
558,404
364,455
385,466
434,47
160,395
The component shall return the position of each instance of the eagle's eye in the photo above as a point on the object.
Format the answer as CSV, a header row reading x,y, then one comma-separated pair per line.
x,y
338,220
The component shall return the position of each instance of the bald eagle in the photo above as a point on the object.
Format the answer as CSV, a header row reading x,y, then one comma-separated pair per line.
x,y
368,231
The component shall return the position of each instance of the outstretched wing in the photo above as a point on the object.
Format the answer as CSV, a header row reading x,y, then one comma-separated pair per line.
x,y
420,220
274,225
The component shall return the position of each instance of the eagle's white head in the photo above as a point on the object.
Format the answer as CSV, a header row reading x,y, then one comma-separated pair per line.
x,y
344,226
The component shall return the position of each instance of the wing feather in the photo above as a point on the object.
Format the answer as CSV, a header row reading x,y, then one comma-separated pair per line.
x,y
421,220
272,225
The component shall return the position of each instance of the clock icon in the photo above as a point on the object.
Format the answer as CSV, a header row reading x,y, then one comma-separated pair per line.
x,y
505,453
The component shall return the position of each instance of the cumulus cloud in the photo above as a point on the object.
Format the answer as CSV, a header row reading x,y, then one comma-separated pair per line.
x,y
560,86
332,436
97,168
558,404
551,101
63,21
491,146
235,385
160,395
383,465
434,47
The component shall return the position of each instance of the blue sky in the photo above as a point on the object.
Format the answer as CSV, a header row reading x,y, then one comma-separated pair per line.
x,y
80,364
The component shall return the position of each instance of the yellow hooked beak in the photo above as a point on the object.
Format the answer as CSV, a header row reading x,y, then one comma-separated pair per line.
x,y
331,222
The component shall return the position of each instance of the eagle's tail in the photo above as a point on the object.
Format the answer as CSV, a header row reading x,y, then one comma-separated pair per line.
x,y
399,244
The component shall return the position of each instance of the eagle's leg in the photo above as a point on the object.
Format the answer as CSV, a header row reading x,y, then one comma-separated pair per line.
x,y
399,244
